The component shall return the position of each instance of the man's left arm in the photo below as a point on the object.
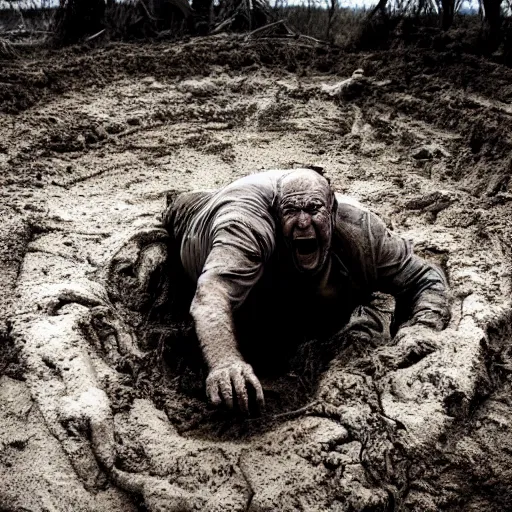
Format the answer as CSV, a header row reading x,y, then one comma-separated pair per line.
x,y
419,287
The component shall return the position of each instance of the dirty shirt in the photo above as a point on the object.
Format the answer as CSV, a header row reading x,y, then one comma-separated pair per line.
x,y
233,233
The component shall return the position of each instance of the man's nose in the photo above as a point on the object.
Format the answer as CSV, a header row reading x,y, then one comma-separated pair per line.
x,y
304,220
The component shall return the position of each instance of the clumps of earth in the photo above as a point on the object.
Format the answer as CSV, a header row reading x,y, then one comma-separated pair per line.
x,y
87,164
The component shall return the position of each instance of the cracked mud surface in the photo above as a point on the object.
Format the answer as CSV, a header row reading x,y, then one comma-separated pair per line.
x,y
421,140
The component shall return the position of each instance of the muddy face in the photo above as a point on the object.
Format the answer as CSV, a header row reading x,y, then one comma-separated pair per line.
x,y
305,211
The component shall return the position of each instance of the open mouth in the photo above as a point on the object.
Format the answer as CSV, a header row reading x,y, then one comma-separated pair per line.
x,y
305,246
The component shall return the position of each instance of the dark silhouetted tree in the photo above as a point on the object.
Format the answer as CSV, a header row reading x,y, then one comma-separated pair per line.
x,y
492,12
76,19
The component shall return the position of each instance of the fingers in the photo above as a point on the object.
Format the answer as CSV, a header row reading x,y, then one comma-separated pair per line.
x,y
212,391
220,384
240,390
255,383
411,345
227,384
226,389
219,388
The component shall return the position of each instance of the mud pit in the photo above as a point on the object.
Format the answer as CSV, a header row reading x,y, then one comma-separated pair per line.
x,y
378,430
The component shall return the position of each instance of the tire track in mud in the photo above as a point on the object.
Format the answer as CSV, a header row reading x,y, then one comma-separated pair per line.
x,y
15,235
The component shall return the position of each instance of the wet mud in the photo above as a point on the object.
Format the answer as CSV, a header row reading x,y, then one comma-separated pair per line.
x,y
92,141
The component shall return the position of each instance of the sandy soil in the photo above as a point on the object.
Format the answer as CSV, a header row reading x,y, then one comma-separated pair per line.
x,y
91,141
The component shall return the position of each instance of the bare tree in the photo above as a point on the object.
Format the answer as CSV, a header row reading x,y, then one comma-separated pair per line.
x,y
332,11
447,13
492,11
380,7
76,19
310,16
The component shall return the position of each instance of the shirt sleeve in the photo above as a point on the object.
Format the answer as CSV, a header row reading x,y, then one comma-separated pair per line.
x,y
419,287
238,255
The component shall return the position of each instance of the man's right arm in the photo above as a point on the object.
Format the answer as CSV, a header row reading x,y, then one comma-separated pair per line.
x,y
212,312
226,280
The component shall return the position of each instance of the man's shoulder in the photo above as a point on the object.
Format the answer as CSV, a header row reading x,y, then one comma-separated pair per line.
x,y
179,197
258,188
357,228
262,185
350,211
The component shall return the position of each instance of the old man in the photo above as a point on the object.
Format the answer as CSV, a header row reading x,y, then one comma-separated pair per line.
x,y
281,248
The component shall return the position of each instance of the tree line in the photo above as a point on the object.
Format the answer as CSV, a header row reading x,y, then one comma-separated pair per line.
x,y
79,20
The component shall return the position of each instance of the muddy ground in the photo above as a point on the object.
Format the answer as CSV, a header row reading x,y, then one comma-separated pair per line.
x,y
91,141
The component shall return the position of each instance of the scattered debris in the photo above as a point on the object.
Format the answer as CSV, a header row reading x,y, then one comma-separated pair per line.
x,y
200,88
433,202
430,151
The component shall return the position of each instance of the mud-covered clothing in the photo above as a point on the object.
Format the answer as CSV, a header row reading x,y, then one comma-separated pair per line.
x,y
239,220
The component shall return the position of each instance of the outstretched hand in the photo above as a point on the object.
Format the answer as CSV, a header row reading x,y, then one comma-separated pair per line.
x,y
411,344
231,382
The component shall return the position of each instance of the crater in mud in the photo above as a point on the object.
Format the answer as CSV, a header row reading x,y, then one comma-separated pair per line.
x,y
175,382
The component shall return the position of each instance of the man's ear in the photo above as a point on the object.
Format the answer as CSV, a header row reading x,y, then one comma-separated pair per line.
x,y
334,207
274,208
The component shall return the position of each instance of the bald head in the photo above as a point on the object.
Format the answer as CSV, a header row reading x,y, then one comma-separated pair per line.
x,y
300,180
304,205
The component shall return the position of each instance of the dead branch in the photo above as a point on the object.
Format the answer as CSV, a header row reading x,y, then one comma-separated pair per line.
x,y
223,25
146,10
6,49
297,412
265,27
380,7
94,36
319,41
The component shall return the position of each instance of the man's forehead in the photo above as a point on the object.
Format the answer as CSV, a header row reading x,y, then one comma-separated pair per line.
x,y
304,182
303,198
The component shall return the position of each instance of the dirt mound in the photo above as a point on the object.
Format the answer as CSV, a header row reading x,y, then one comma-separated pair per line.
x,y
54,72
